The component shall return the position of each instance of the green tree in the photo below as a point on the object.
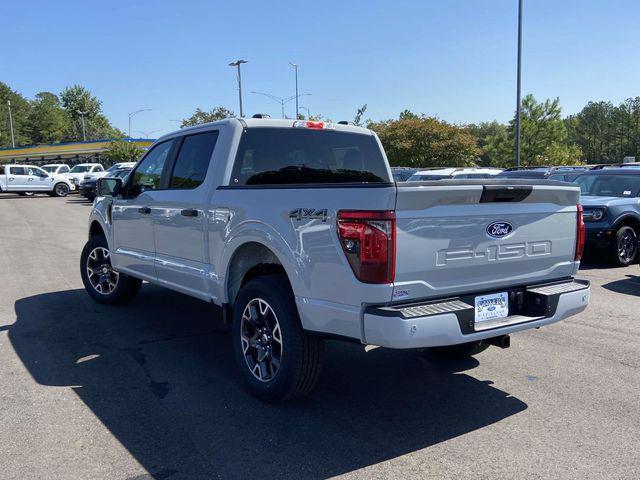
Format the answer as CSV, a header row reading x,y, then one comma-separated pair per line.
x,y
20,109
543,138
123,151
76,99
422,141
485,133
48,122
200,116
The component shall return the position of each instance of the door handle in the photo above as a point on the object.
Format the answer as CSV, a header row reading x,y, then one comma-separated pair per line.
x,y
144,210
189,212
11,179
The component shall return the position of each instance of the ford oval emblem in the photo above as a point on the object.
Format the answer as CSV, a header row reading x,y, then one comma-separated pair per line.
x,y
499,229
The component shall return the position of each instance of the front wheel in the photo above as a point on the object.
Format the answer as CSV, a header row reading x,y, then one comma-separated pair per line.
x,y
61,190
278,361
101,282
625,246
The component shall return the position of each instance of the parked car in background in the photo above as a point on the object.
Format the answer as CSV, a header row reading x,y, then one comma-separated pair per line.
x,y
458,173
29,179
56,168
77,173
611,201
108,172
402,174
296,229
88,187
563,174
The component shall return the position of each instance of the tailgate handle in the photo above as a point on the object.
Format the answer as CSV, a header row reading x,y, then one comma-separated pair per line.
x,y
498,193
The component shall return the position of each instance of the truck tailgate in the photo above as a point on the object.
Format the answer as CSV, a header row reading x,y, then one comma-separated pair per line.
x,y
456,237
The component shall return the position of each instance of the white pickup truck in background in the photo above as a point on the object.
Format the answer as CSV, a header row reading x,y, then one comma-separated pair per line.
x,y
297,230
29,179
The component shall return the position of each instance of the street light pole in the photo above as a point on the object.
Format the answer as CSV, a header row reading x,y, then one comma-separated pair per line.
x,y
132,114
84,134
519,75
282,101
308,111
13,140
295,66
237,64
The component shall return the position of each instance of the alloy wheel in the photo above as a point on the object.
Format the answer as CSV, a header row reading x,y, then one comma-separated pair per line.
x,y
261,340
102,277
627,246
62,190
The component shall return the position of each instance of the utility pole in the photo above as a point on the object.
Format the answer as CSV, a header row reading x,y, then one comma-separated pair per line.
x,y
132,114
84,134
295,66
237,64
13,140
519,75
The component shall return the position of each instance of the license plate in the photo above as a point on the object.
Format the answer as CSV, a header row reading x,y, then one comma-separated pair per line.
x,y
490,307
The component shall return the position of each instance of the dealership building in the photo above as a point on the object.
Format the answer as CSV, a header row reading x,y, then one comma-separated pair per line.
x,y
69,153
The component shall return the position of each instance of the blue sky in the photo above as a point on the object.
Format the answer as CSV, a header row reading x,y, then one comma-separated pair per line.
x,y
450,58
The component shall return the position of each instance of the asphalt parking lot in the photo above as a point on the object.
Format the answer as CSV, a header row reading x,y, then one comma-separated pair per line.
x,y
89,391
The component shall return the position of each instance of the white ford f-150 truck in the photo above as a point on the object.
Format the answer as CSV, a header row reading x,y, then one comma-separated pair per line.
x,y
297,230
27,179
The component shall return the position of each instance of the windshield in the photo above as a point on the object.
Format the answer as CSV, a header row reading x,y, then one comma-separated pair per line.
x,y
122,173
81,168
50,169
609,185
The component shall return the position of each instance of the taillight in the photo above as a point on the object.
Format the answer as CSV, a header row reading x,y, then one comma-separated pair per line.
x,y
313,125
368,239
580,235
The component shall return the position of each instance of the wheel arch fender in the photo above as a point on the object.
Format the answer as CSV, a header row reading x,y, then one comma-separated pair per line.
x,y
254,244
630,219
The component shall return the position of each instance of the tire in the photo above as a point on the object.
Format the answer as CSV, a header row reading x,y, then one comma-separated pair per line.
x,y
625,247
266,305
60,190
105,285
91,198
461,351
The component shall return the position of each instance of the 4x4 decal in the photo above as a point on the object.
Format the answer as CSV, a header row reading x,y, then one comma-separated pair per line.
x,y
309,214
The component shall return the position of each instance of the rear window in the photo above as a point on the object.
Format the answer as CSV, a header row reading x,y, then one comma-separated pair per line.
x,y
289,156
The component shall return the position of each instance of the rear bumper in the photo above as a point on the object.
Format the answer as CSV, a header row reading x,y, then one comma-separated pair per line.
x,y
451,321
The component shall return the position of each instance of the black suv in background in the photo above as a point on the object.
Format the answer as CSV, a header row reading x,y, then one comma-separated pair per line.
x,y
611,201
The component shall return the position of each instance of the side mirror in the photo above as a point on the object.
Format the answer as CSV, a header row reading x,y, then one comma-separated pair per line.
x,y
109,187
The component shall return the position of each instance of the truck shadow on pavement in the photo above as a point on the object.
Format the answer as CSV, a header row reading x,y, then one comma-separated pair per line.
x,y
630,285
160,375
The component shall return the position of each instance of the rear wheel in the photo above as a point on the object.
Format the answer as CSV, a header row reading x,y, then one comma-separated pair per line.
x,y
463,350
101,282
625,246
278,361
61,190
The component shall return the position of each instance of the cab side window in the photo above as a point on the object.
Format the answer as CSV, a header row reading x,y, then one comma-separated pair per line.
x,y
148,174
18,170
64,169
192,162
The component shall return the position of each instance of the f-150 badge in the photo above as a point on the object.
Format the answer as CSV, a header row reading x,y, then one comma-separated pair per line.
x,y
309,214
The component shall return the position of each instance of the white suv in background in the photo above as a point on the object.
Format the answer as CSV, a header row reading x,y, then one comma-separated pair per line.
x,y
457,173
77,173
56,168
105,173
25,180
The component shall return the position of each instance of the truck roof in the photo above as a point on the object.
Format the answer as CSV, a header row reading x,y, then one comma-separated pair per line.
x,y
613,171
270,123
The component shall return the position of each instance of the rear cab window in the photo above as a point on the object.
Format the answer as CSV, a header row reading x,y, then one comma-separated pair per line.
x,y
292,156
